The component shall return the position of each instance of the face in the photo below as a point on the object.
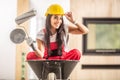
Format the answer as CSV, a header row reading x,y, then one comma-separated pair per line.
x,y
56,21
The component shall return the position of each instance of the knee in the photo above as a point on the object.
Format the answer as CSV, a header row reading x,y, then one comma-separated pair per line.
x,y
77,53
31,55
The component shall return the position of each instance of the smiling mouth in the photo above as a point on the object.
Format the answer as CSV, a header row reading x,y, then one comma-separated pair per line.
x,y
57,26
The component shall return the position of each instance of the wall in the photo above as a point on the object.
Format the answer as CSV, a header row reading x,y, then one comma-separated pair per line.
x,y
7,51
94,8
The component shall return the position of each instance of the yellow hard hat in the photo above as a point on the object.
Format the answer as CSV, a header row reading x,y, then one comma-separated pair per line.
x,y
54,9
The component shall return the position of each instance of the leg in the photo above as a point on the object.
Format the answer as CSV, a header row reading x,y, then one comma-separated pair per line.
x,y
31,56
73,55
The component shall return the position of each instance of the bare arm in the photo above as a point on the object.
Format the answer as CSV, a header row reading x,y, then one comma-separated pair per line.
x,y
77,28
40,49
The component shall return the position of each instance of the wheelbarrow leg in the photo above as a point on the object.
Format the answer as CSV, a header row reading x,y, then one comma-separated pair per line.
x,y
44,71
52,67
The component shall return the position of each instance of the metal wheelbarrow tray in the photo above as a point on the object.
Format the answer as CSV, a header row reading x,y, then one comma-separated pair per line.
x,y
61,68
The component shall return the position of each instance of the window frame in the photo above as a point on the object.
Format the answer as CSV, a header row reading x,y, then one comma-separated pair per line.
x,y
86,51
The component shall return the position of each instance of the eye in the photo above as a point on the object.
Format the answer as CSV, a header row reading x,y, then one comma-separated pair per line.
x,y
58,17
55,17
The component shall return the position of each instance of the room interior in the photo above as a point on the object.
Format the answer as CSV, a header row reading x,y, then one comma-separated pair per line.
x,y
101,64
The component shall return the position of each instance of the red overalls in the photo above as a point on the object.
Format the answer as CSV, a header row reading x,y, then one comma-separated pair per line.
x,y
73,54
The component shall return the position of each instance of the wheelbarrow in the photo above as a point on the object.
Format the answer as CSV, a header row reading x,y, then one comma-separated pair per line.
x,y
52,69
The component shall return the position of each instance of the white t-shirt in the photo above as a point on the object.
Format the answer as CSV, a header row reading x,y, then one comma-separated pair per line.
x,y
41,35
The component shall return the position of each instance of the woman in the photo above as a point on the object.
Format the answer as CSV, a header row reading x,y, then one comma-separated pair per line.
x,y
53,39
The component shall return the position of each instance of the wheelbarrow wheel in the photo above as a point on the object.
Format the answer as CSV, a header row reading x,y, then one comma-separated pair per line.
x,y
51,76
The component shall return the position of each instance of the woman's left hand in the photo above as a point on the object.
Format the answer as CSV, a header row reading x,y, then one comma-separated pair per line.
x,y
69,16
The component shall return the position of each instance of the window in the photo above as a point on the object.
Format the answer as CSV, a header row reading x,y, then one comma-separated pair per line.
x,y
103,37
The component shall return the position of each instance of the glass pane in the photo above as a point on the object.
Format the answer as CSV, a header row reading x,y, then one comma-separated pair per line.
x,y
103,36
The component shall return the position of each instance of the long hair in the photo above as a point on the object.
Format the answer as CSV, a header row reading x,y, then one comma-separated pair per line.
x,y
59,38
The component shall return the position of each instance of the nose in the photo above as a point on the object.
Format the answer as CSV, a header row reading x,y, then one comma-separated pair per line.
x,y
58,20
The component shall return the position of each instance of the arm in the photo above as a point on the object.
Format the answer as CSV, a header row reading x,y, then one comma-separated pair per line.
x,y
77,28
40,49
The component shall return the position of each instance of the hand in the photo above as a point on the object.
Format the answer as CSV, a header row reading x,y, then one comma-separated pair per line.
x,y
29,41
69,16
